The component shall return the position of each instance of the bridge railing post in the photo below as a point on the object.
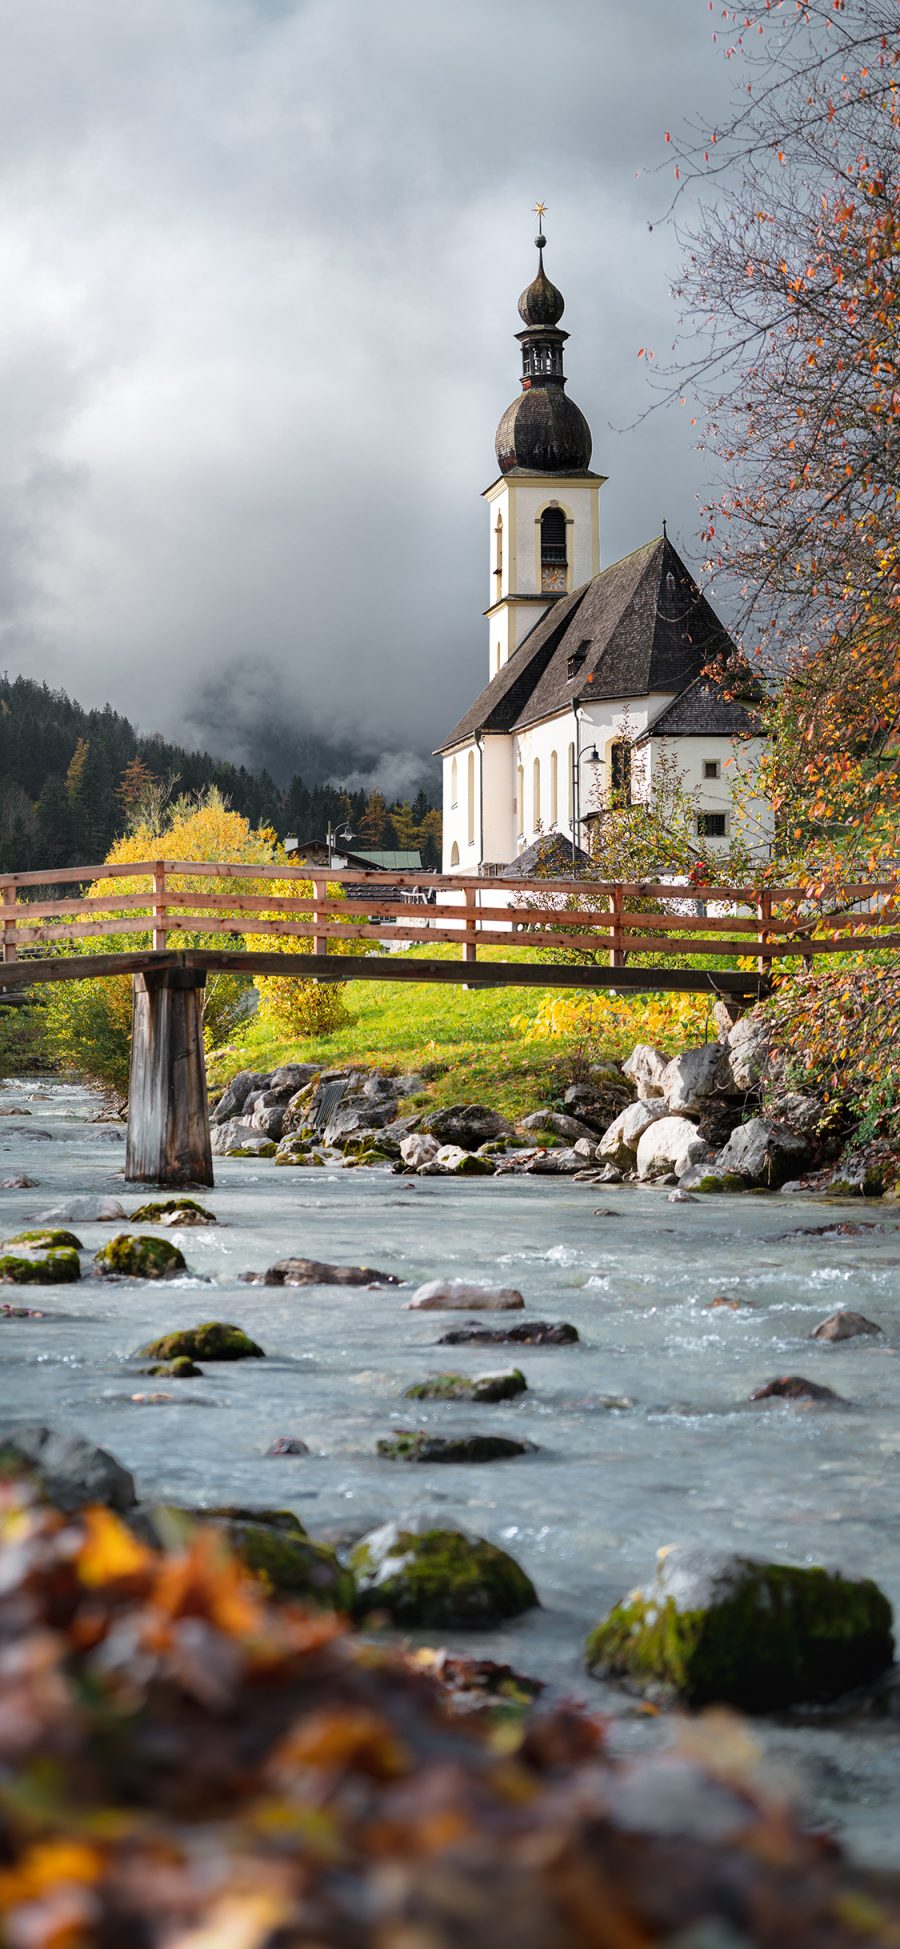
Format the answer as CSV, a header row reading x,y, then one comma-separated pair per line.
x,y
160,932
764,917
470,950
10,951
320,892
616,909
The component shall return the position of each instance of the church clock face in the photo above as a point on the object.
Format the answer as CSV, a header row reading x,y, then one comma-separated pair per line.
x,y
553,578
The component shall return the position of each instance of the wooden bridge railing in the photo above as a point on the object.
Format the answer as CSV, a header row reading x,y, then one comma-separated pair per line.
x,y
323,909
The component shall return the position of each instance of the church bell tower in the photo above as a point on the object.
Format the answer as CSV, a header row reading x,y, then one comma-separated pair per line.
x,y
544,507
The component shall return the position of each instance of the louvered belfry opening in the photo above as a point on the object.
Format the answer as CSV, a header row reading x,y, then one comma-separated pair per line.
x,y
553,550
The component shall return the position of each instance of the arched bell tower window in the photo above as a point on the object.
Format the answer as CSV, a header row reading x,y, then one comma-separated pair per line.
x,y
498,551
553,551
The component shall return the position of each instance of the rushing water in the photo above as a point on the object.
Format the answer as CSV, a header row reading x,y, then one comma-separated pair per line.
x,y
688,1459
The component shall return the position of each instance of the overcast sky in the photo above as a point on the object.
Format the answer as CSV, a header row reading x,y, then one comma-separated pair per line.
x,y
260,262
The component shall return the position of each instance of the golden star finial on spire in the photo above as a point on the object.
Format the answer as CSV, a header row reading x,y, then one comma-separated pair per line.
x,y
540,210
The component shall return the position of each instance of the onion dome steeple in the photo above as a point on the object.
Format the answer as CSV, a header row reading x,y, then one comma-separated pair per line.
x,y
543,431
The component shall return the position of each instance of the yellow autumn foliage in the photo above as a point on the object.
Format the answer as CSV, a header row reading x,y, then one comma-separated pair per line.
x,y
609,1019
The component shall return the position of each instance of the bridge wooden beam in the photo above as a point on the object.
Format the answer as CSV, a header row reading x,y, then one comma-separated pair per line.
x,y
168,1111
392,967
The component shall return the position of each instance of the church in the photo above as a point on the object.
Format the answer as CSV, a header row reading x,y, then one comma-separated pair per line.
x,y
595,675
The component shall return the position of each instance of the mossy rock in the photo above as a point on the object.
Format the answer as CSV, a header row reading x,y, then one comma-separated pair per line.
x,y
214,1340
139,1258
52,1239
288,1562
61,1267
467,1387
716,1628
266,1149
153,1213
439,1578
181,1369
417,1445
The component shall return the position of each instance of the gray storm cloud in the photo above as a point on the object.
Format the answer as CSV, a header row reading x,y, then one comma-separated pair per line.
x,y
260,265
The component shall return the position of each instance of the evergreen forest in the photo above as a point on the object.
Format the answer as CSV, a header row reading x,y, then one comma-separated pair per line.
x,y
72,780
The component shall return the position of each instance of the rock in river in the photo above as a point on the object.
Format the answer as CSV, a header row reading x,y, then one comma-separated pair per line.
x,y
68,1470
60,1267
214,1340
525,1333
466,1124
844,1326
717,1628
90,1210
274,1547
424,1572
462,1295
417,1445
793,1387
316,1272
173,1211
469,1387
287,1445
139,1258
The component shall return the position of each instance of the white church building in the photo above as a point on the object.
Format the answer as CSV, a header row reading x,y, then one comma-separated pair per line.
x,y
595,675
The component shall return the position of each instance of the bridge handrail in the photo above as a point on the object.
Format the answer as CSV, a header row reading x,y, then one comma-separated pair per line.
x,y
463,910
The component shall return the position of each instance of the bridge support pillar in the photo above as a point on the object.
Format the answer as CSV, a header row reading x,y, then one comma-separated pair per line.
x,y
168,1112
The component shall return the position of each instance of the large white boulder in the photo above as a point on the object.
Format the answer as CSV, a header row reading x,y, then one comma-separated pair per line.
x,y
691,1080
670,1144
748,1049
620,1142
644,1069
463,1296
763,1152
103,1211
418,1149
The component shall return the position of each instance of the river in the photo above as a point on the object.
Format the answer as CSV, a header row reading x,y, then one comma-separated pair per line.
x,y
689,1459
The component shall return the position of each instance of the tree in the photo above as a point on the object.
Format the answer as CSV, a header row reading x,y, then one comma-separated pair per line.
x,y
790,284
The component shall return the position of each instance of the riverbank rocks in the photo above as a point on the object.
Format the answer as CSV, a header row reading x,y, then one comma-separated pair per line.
x,y
240,1139
139,1258
845,1326
213,1340
523,1333
645,1069
689,1081
426,1573
554,1163
749,1044
61,1267
173,1211
762,1152
462,1295
793,1387
418,1149
235,1094
670,1144
469,1387
68,1471
467,1125
419,1445
559,1124
452,1161
619,1143
317,1272
89,1210
713,1628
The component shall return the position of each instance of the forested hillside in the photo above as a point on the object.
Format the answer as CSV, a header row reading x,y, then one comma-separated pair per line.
x,y
70,780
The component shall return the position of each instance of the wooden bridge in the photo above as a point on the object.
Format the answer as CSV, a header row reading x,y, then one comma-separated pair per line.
x,y
333,924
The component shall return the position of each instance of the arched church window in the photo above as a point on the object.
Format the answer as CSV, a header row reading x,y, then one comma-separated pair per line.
x,y
520,799
620,771
454,785
553,551
470,782
454,854
570,797
498,548
536,794
554,789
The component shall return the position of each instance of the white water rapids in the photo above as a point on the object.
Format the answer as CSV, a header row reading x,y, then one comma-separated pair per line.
x,y
689,1460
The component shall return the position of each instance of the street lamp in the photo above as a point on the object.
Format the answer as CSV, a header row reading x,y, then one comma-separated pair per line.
x,y
580,758
333,834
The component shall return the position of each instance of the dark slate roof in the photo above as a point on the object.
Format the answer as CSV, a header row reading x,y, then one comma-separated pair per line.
x,y
642,626
550,854
702,711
